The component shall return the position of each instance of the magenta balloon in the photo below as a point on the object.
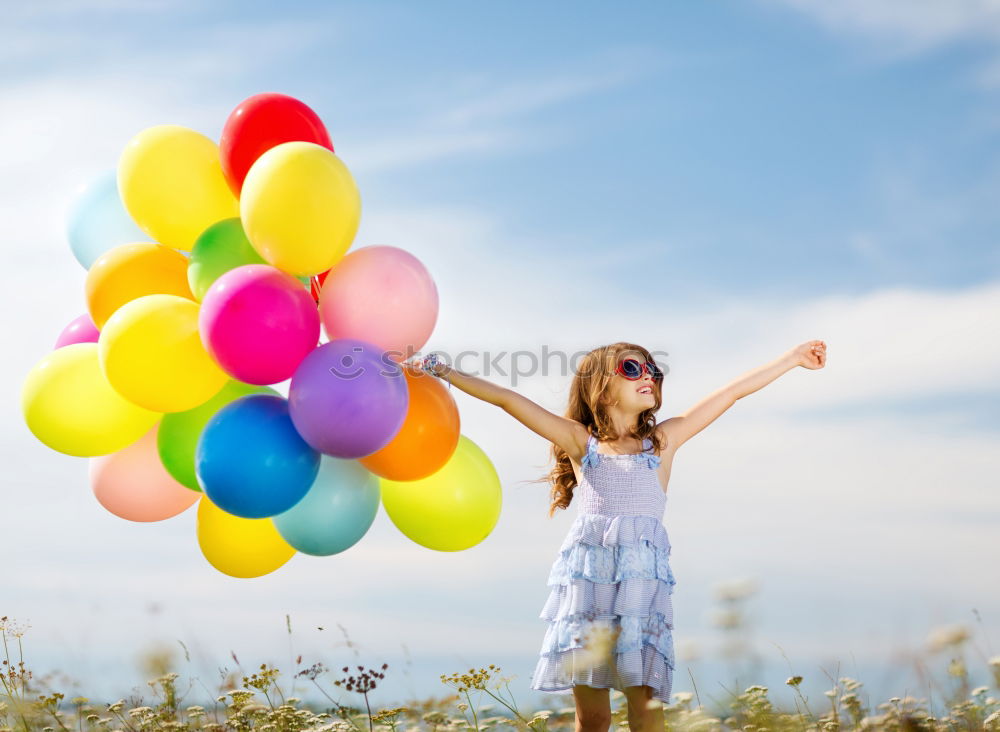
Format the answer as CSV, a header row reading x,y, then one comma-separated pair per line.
x,y
80,330
258,323
348,399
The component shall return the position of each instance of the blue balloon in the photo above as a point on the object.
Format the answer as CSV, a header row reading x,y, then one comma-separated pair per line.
x,y
336,512
98,220
251,462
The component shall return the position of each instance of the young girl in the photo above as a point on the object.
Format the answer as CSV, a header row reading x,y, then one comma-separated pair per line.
x,y
609,610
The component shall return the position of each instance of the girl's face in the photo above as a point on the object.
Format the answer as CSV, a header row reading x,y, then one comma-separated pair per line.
x,y
632,397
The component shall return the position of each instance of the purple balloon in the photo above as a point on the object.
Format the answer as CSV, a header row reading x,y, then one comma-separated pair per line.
x,y
80,330
348,399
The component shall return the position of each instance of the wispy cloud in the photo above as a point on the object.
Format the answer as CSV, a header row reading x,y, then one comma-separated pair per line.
x,y
500,101
484,114
916,25
902,29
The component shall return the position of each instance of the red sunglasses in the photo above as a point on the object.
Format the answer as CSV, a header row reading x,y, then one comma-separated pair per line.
x,y
633,369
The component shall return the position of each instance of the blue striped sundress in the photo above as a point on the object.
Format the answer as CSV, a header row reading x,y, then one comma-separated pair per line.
x,y
612,579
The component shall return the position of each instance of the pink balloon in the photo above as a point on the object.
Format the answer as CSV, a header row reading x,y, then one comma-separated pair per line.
x,y
383,295
133,484
80,330
258,323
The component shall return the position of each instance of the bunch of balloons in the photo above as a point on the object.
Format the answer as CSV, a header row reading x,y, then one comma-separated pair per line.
x,y
211,271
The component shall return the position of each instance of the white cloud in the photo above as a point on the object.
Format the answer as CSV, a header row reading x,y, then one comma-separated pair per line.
x,y
916,25
516,98
901,29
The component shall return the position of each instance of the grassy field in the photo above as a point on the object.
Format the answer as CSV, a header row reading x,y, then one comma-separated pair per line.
x,y
477,699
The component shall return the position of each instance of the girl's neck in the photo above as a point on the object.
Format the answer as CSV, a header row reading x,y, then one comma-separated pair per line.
x,y
623,423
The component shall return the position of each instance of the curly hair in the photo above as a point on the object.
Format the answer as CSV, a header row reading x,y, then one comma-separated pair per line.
x,y
590,382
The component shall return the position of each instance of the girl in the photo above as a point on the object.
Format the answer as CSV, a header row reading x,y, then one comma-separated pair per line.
x,y
609,610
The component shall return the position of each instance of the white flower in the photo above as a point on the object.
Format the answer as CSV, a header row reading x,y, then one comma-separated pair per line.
x,y
948,635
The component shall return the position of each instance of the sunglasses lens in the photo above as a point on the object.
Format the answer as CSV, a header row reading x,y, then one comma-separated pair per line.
x,y
631,369
654,370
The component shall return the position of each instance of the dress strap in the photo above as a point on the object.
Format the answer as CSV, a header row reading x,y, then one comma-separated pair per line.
x,y
592,456
651,460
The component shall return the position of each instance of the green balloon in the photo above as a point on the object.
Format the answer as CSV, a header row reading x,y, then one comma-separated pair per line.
x,y
177,436
221,247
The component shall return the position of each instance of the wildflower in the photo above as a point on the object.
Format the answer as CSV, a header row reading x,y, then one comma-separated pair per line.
x,y
735,589
597,649
8,627
956,667
948,635
688,650
793,680
388,715
727,619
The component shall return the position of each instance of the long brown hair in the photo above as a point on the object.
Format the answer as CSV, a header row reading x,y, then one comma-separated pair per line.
x,y
590,382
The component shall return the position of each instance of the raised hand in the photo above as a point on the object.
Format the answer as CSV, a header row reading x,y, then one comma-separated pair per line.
x,y
810,355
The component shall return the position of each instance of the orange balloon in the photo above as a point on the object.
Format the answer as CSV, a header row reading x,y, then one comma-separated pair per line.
x,y
128,271
429,434
133,484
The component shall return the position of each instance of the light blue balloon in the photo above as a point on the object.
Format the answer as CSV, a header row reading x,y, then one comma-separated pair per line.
x,y
337,511
98,220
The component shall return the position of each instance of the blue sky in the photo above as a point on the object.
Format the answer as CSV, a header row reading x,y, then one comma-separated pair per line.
x,y
721,181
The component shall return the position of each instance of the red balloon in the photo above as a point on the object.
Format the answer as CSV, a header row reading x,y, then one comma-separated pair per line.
x,y
316,284
258,124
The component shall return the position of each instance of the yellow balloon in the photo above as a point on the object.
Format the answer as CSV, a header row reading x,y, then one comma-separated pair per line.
x,y
452,509
152,354
300,207
171,182
128,271
240,547
69,405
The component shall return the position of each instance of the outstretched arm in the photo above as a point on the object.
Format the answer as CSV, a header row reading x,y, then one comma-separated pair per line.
x,y
567,433
678,430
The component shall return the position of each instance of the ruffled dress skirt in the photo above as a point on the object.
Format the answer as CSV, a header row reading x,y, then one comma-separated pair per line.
x,y
609,608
